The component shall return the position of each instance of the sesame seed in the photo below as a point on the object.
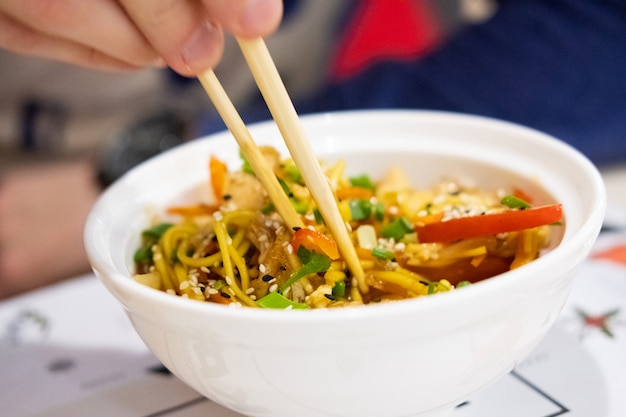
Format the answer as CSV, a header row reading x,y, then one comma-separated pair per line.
x,y
262,268
274,288
229,280
211,290
249,290
253,297
330,297
225,294
263,238
289,249
267,278
205,270
171,291
217,216
183,285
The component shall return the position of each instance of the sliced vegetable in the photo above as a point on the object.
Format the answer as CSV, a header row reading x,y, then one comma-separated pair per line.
x,y
315,241
312,263
362,181
514,202
293,174
397,228
246,167
383,254
219,171
143,255
360,209
155,232
192,211
276,300
339,289
378,210
489,224
354,193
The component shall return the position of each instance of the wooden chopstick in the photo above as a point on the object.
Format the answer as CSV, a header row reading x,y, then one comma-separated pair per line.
x,y
284,113
248,147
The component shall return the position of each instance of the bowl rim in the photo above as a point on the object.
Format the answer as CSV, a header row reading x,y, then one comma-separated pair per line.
x,y
583,237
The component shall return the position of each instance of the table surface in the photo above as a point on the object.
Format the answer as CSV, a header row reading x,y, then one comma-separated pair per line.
x,y
69,350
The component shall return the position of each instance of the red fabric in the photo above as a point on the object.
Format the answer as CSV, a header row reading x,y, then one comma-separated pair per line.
x,y
386,29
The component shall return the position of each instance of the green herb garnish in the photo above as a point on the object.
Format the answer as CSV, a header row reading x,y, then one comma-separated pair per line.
x,y
312,263
397,228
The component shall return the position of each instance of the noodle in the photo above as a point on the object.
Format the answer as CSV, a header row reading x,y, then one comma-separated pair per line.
x,y
411,243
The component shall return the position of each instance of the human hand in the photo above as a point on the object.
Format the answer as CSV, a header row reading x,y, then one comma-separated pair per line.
x,y
128,34
42,215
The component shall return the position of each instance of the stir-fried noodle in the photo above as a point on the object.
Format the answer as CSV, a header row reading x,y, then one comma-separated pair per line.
x,y
410,242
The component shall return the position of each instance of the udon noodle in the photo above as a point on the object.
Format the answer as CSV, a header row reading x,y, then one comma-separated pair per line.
x,y
410,242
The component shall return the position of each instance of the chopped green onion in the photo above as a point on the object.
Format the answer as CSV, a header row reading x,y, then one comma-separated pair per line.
x,y
339,289
246,167
397,228
284,186
268,208
318,216
383,254
301,208
362,181
360,209
379,211
155,232
514,202
463,284
276,300
143,255
293,174
312,263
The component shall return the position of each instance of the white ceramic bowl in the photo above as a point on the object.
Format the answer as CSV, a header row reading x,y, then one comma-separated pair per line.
x,y
418,357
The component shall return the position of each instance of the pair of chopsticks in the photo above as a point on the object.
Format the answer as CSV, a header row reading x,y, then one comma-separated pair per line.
x,y
277,99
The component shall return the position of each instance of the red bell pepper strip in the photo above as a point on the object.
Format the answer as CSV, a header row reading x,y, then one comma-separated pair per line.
x,y
314,240
488,224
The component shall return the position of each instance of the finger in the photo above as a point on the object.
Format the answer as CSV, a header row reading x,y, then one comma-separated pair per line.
x,y
181,31
21,39
100,25
246,18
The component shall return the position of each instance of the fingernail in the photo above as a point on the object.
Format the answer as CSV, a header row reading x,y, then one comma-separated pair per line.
x,y
197,51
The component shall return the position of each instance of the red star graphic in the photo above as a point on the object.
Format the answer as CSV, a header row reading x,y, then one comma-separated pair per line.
x,y
600,322
615,254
